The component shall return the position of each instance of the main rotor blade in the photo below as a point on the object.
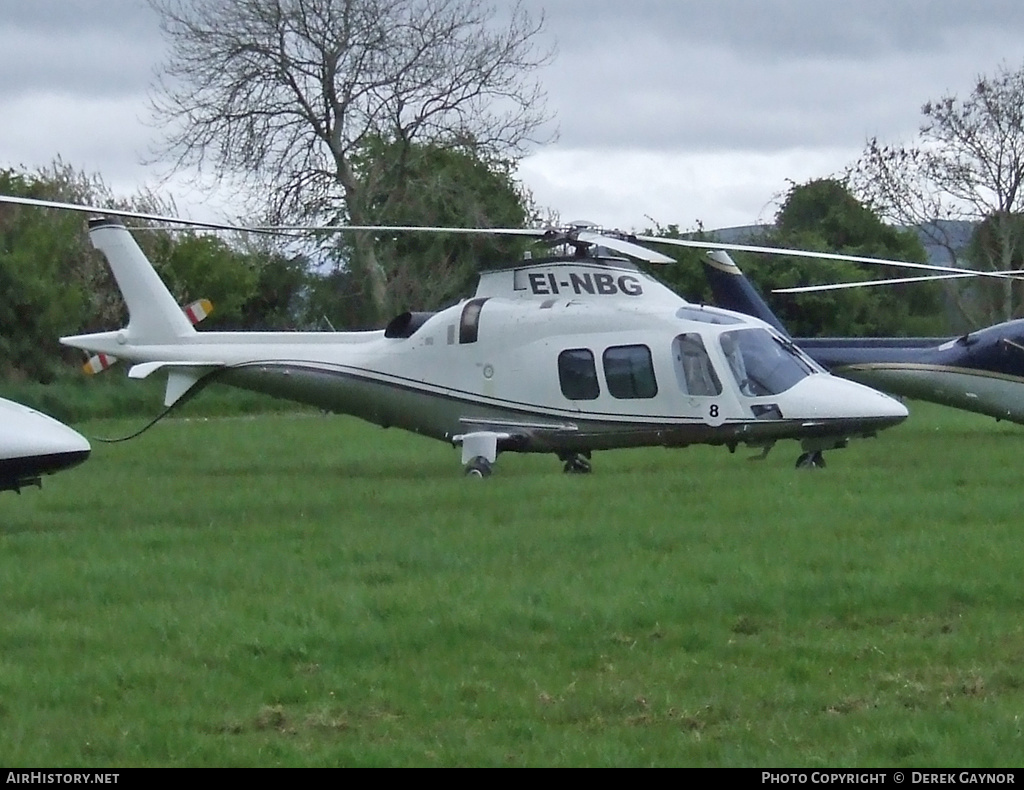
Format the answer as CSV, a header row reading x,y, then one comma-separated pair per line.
x,y
269,229
589,237
803,289
555,234
537,233
625,247
828,256
116,212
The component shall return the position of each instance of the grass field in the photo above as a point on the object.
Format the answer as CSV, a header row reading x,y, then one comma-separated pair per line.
x,y
313,591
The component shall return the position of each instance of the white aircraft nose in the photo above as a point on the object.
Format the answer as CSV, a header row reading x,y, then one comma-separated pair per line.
x,y
33,444
69,441
826,397
37,434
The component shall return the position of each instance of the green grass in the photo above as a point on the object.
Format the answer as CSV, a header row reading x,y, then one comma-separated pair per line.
x,y
75,398
310,591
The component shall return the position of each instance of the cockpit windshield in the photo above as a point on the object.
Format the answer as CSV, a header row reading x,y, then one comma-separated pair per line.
x,y
762,363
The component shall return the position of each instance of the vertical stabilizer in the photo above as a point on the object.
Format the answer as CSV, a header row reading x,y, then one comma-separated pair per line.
x,y
153,314
733,291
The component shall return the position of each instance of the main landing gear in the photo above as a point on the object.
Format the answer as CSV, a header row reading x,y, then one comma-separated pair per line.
x,y
479,451
573,464
576,463
478,467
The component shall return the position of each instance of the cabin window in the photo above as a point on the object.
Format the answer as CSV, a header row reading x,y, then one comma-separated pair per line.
x,y
762,363
469,323
694,371
577,374
630,372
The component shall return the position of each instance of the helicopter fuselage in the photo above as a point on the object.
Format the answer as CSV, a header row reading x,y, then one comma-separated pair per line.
x,y
560,355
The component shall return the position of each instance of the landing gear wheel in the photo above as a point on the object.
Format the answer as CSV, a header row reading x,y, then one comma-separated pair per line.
x,y
478,467
813,460
578,464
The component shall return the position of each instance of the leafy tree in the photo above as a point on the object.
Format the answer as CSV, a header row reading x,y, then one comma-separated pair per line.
x,y
823,215
48,272
434,186
439,186
290,95
997,244
282,282
54,283
336,299
967,164
195,266
686,275
252,284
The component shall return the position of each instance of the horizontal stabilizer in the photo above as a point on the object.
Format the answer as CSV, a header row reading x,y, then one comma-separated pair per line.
x,y
195,312
182,377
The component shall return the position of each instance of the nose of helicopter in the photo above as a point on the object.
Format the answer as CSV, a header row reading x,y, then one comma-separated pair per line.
x,y
36,444
829,398
66,447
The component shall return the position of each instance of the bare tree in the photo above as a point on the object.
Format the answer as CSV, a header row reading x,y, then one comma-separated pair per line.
x,y
966,165
288,95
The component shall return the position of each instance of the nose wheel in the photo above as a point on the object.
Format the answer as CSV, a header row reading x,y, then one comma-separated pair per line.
x,y
576,464
811,460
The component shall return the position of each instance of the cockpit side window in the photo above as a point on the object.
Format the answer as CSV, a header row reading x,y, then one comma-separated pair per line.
x,y
577,374
694,370
762,363
737,365
630,372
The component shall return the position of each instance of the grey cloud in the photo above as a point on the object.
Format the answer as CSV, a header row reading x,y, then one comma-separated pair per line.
x,y
55,16
80,47
683,78
782,29
764,76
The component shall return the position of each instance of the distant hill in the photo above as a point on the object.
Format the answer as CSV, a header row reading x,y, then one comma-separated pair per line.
x,y
741,234
945,234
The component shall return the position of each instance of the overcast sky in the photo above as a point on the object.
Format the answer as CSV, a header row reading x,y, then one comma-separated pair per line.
x,y
667,111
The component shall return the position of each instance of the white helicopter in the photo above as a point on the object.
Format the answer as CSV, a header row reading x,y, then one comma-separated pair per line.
x,y
33,444
564,355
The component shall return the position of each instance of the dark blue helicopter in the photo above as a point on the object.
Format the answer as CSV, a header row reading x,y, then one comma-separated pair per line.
x,y
981,371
